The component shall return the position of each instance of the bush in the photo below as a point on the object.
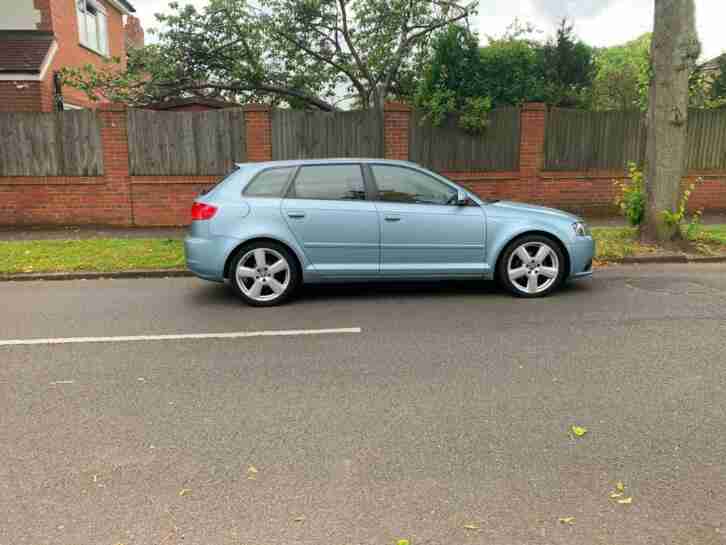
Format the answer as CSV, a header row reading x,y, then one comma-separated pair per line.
x,y
631,196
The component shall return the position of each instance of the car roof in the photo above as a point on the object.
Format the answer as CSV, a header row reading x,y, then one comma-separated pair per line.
x,y
332,161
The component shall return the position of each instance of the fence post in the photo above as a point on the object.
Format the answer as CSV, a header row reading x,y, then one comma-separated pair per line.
x,y
396,120
118,201
531,150
258,129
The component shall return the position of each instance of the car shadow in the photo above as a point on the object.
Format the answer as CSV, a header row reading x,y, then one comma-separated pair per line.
x,y
223,295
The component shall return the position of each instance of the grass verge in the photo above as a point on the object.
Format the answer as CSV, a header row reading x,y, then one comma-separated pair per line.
x,y
102,255
109,254
615,243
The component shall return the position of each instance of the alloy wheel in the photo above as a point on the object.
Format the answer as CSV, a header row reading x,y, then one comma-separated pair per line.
x,y
263,274
533,267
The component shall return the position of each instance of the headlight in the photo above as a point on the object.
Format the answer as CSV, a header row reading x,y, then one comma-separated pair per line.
x,y
581,229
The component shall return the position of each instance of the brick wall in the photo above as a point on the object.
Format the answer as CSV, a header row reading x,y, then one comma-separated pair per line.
x,y
120,199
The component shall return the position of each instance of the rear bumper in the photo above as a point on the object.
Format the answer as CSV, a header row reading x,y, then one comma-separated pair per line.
x,y
582,252
206,256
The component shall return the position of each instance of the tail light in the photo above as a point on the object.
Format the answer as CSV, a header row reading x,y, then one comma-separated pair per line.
x,y
201,211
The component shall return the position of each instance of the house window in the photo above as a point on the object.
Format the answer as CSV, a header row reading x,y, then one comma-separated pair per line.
x,y
92,25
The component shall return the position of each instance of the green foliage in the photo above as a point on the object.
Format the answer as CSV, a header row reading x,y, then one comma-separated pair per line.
x,y
718,86
474,116
449,79
679,216
301,53
622,76
568,68
631,196
509,70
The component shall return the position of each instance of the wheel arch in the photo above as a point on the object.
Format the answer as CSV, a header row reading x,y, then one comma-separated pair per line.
x,y
243,244
554,238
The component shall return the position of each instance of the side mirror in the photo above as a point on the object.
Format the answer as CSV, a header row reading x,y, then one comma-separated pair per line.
x,y
462,199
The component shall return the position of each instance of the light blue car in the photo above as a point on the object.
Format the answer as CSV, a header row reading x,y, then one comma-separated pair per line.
x,y
269,227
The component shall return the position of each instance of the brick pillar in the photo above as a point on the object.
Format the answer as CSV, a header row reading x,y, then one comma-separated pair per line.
x,y
115,199
396,120
531,151
258,128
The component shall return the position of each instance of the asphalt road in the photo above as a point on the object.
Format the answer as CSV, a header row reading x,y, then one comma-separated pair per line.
x,y
445,421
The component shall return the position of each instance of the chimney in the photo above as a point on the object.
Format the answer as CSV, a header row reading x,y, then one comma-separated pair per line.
x,y
133,32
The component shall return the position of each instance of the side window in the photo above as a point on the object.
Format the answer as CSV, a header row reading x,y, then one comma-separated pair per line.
x,y
269,183
399,184
329,182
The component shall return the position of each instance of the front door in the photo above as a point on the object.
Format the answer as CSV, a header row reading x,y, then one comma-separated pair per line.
x,y
327,211
423,231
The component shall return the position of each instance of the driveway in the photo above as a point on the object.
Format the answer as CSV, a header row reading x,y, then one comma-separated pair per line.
x,y
445,420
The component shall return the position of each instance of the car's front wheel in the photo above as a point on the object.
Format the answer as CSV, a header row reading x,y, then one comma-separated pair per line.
x,y
264,274
532,266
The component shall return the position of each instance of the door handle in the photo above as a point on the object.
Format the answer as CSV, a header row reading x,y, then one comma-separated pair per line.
x,y
392,218
296,215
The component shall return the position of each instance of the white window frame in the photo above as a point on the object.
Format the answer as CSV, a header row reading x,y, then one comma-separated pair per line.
x,y
85,14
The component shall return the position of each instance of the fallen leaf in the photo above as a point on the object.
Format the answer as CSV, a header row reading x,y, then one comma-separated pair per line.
x,y
619,486
471,527
578,431
567,520
185,491
252,473
403,542
301,518
626,501
615,495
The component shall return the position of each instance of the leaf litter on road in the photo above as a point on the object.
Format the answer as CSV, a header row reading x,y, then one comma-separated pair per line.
x,y
619,494
567,520
578,431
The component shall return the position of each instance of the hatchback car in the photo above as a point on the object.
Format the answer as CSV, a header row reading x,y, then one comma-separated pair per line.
x,y
269,227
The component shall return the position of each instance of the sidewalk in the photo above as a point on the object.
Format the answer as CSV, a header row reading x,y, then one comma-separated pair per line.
x,y
88,232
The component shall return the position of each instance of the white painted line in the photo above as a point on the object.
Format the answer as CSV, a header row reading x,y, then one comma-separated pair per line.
x,y
180,337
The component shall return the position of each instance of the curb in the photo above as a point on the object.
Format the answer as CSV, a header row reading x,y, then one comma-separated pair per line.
x,y
664,259
80,275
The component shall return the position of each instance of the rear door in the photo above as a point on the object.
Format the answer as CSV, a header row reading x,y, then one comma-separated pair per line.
x,y
327,210
423,231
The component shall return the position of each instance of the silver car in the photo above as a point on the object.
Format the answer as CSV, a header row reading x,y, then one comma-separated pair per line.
x,y
269,227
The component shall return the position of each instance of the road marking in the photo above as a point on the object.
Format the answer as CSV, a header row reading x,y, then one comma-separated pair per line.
x,y
181,337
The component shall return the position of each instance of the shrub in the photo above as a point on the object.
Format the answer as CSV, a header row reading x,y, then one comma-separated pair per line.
x,y
631,196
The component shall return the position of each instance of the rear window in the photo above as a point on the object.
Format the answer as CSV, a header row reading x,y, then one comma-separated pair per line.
x,y
329,182
269,183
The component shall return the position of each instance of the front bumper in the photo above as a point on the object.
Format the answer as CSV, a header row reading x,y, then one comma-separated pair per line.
x,y
582,252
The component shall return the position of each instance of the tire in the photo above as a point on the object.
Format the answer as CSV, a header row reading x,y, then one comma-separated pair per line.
x,y
537,276
264,274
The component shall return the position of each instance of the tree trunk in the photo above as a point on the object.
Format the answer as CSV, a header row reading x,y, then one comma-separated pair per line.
x,y
674,51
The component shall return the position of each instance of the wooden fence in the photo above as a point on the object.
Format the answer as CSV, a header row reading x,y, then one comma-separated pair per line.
x,y
302,134
583,140
449,147
706,139
50,144
185,143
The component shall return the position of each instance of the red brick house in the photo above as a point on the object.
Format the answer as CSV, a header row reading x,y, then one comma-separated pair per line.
x,y
38,37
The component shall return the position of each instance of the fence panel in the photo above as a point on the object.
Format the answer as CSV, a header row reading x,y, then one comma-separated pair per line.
x,y
448,147
706,139
185,143
298,134
50,144
584,140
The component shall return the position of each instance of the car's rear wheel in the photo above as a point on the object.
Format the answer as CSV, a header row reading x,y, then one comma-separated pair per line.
x,y
264,274
532,266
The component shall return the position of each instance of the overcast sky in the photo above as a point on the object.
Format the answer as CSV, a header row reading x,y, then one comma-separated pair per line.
x,y
598,22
